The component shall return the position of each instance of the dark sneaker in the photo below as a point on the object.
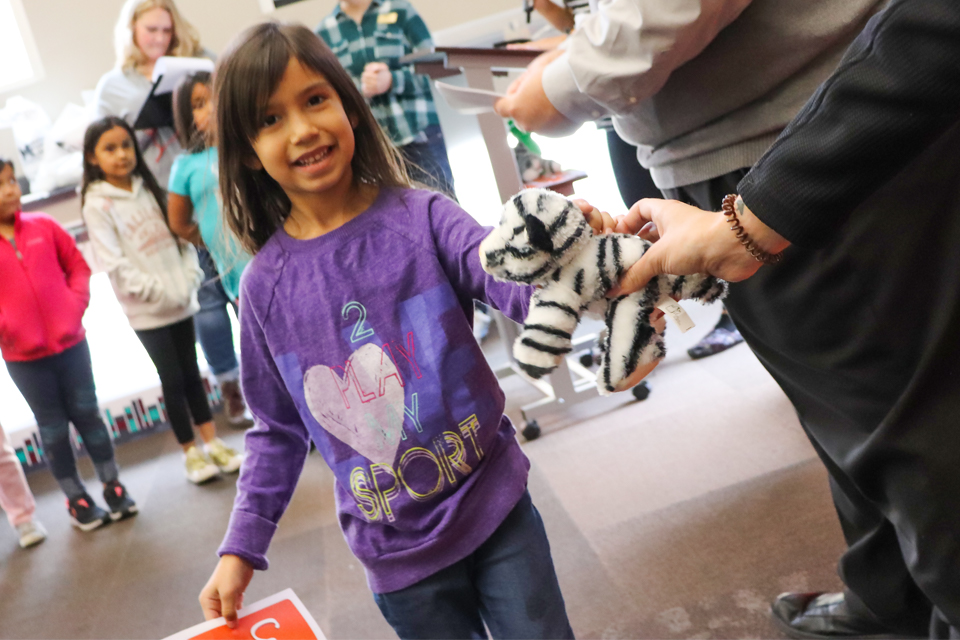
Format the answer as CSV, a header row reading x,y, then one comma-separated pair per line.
x,y
718,340
85,514
119,502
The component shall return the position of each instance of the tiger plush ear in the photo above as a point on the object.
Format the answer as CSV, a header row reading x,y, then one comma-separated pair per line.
x,y
537,234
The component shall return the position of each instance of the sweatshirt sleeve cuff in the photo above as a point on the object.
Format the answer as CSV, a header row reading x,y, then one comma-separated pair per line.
x,y
564,94
248,536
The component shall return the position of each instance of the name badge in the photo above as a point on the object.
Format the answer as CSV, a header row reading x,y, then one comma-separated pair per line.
x,y
387,18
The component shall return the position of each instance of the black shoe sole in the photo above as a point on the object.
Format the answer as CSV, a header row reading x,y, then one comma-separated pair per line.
x,y
89,526
123,515
699,355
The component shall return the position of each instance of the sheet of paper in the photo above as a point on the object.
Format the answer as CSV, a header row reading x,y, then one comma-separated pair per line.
x,y
173,68
467,100
280,617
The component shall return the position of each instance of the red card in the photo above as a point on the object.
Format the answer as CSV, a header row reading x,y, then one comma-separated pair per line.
x,y
279,617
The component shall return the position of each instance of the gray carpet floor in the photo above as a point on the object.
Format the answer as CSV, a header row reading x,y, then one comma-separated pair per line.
x,y
678,517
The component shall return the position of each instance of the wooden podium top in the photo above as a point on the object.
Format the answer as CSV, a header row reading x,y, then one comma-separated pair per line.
x,y
441,62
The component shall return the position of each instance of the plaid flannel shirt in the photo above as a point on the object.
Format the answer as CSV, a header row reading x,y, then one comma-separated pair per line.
x,y
389,30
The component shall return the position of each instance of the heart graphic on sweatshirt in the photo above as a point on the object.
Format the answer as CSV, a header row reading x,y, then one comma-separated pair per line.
x,y
363,408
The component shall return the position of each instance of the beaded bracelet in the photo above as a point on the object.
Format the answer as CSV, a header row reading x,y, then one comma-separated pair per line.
x,y
759,254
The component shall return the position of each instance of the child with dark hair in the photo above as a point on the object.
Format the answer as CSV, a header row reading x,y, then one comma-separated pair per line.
x,y
44,293
155,277
194,208
356,333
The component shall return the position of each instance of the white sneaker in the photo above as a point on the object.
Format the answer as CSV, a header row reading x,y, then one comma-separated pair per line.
x,y
223,456
198,467
31,533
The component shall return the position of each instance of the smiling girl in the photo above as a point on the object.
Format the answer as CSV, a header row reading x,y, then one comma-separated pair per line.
x,y
355,319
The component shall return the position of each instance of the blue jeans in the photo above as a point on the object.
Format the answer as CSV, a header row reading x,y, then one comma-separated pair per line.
x,y
212,322
60,390
508,583
427,162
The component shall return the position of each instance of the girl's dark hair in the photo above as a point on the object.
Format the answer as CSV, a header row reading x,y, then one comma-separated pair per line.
x,y
7,162
93,173
254,205
192,140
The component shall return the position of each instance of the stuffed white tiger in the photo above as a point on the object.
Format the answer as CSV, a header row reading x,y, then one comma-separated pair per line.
x,y
544,239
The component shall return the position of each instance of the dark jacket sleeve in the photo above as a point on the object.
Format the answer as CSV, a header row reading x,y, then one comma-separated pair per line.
x,y
895,91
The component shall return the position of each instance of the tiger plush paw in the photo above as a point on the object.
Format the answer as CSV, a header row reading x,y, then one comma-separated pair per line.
x,y
544,239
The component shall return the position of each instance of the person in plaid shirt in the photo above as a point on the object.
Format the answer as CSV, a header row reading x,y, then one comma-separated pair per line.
x,y
369,37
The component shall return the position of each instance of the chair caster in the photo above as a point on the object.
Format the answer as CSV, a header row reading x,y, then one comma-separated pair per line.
x,y
641,391
586,359
531,430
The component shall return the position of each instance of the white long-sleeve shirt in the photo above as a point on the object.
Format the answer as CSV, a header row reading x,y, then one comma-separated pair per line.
x,y
154,275
702,87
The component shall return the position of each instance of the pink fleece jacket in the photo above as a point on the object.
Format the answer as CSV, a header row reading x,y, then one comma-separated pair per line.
x,y
44,290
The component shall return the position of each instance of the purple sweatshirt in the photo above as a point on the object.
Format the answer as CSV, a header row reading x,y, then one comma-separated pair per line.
x,y
361,340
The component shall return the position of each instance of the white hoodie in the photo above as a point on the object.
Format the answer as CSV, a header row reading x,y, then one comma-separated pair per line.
x,y
154,275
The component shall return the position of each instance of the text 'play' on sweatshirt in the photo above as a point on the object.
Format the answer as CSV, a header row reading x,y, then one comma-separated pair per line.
x,y
154,275
361,340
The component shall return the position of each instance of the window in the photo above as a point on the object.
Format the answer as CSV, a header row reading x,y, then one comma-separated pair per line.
x,y
21,62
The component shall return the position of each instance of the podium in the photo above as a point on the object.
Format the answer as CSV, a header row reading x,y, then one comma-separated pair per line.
x,y
570,383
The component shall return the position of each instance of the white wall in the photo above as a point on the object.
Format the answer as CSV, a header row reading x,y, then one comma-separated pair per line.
x,y
75,37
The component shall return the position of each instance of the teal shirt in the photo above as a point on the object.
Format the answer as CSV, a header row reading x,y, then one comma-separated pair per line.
x,y
196,176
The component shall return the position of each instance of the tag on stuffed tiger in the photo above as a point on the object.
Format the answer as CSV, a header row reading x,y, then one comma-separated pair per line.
x,y
672,310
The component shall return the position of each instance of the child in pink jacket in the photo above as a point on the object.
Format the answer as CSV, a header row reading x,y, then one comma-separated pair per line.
x,y
44,293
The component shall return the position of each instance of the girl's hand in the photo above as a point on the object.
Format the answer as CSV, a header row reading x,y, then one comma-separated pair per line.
x,y
198,277
688,240
600,221
171,303
223,593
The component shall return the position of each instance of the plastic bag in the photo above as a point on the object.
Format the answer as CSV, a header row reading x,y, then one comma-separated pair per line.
x,y
70,126
30,124
62,159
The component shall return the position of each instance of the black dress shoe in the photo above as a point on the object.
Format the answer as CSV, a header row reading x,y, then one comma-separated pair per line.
x,y
718,340
824,615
